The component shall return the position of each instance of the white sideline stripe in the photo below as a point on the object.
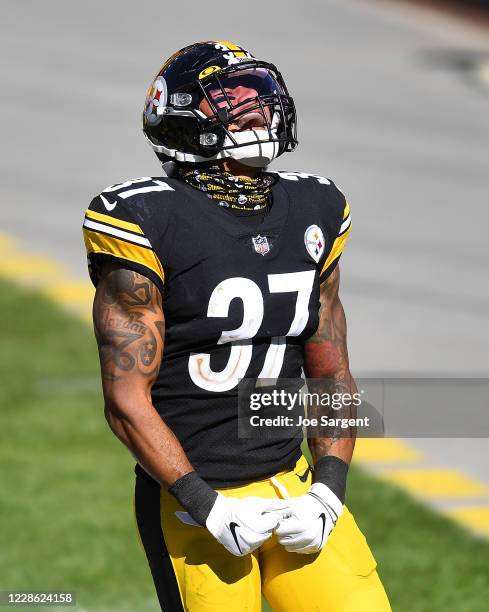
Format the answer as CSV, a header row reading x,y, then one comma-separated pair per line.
x,y
131,192
101,227
345,224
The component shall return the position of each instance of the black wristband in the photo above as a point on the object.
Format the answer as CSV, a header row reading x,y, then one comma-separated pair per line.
x,y
195,495
332,471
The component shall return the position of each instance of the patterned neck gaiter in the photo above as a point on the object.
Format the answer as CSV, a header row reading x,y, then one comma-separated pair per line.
x,y
238,192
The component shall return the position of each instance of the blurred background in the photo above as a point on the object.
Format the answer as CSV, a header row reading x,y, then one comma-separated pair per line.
x,y
392,99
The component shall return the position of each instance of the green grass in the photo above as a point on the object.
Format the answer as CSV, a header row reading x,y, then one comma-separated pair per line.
x,y
66,488
66,518
427,563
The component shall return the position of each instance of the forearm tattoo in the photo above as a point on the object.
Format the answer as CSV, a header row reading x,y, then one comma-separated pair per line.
x,y
129,325
326,363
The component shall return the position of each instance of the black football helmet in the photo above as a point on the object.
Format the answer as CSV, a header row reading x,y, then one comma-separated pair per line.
x,y
192,116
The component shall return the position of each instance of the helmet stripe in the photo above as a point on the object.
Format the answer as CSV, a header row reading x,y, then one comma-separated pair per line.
x,y
239,51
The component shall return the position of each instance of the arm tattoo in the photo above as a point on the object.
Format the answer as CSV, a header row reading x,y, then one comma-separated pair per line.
x,y
129,325
326,360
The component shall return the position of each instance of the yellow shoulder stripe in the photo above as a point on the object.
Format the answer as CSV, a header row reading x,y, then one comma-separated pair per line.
x,y
337,249
346,212
109,245
132,227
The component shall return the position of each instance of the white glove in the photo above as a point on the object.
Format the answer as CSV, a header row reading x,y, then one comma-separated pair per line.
x,y
242,525
312,517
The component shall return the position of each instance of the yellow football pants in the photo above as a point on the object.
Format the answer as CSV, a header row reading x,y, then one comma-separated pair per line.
x,y
193,572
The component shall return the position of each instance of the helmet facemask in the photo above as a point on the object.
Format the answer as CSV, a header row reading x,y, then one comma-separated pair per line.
x,y
242,111
248,111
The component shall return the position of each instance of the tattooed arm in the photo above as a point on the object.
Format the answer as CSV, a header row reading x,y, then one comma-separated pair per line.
x,y
130,330
326,359
314,514
129,326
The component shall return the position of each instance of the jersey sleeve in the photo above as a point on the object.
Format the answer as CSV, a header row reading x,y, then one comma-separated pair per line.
x,y
339,225
111,233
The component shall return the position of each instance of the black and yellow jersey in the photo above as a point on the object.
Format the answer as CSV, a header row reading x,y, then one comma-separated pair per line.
x,y
238,301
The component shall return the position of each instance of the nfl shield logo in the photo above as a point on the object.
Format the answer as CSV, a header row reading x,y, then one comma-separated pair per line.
x,y
260,244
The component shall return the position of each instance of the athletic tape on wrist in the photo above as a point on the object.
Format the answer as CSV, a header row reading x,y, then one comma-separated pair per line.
x,y
332,472
195,495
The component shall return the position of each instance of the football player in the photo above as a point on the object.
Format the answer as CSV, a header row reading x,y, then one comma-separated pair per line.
x,y
216,272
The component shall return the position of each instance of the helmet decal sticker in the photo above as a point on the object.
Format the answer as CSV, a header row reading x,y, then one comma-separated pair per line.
x,y
236,54
209,70
157,96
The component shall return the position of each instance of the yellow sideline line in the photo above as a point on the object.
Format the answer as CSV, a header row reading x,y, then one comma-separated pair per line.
x,y
385,450
56,282
45,274
436,483
473,517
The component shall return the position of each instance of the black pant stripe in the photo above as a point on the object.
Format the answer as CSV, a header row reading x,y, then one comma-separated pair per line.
x,y
147,504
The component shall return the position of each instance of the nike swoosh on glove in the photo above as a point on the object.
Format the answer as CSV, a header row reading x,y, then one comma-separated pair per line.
x,y
311,519
242,525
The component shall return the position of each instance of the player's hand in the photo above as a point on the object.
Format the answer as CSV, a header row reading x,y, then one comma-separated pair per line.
x,y
311,518
242,525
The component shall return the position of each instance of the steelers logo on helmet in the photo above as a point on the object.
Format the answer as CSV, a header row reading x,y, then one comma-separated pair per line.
x,y
214,100
155,98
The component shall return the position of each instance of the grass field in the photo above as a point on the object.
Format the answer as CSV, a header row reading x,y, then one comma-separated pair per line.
x,y
66,488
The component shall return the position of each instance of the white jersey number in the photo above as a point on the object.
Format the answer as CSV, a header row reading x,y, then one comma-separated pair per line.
x,y
241,347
